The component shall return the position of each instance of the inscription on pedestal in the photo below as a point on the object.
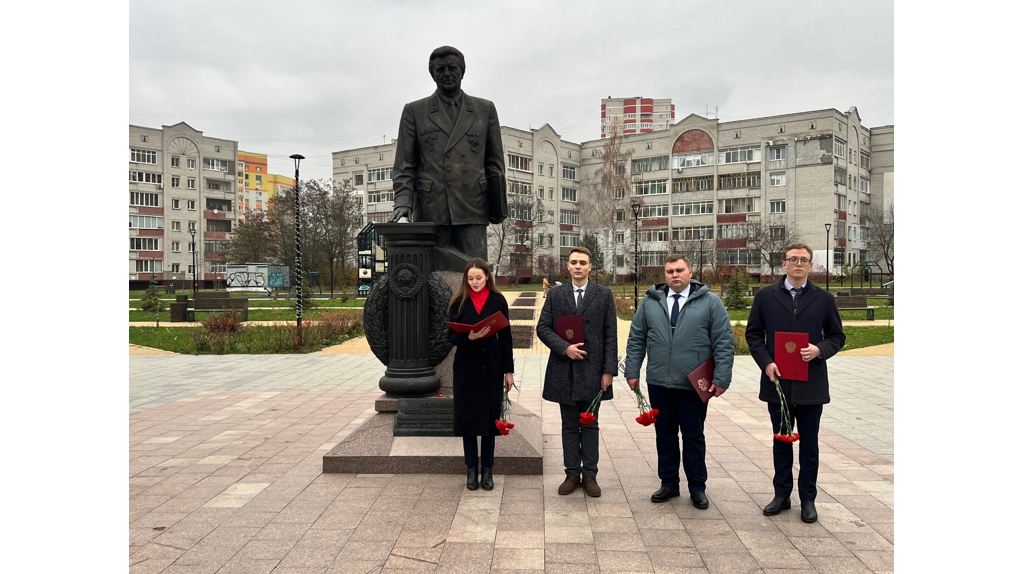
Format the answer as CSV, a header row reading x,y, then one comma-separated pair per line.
x,y
432,416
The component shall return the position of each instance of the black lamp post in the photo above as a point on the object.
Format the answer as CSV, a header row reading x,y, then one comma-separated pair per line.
x,y
195,268
636,256
828,262
702,256
298,251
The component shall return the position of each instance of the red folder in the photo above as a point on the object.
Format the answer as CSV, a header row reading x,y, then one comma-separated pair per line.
x,y
702,378
787,355
496,322
570,328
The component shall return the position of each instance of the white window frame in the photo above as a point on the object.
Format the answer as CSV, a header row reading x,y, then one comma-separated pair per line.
x,y
776,206
691,232
519,163
569,217
655,211
145,177
739,205
740,154
149,266
143,199
145,222
570,194
685,208
517,187
569,172
143,156
214,164
840,147
652,187
777,179
176,245
695,159
175,226
372,175
144,244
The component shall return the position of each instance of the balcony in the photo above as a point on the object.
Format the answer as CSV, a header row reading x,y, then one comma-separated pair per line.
x,y
774,164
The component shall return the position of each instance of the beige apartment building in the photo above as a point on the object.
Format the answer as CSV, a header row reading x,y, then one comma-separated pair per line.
x,y
699,178
179,180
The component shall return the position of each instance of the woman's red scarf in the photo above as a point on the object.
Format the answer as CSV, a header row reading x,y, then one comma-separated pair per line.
x,y
479,298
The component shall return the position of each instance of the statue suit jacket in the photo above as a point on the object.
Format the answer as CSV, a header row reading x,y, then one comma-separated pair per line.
x,y
450,174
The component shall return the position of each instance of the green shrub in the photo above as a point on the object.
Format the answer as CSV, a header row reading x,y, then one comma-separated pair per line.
x,y
735,295
151,300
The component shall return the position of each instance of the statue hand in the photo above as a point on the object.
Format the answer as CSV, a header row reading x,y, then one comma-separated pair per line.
x,y
399,213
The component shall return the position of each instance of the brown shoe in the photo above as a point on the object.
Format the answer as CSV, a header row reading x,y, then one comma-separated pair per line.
x,y
590,486
570,484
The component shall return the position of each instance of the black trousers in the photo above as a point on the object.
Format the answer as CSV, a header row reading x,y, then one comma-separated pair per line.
x,y
680,411
807,417
486,456
580,443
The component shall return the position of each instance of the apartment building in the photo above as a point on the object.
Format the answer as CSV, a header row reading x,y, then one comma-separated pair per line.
x,y
637,115
179,180
699,178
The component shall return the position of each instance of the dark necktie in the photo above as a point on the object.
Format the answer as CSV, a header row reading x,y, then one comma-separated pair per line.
x,y
675,309
796,297
453,111
579,297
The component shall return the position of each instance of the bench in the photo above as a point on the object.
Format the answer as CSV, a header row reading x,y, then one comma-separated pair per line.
x,y
873,292
855,303
219,302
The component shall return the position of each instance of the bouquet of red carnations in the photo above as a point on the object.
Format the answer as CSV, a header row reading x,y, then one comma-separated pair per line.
x,y
785,433
504,426
588,417
648,416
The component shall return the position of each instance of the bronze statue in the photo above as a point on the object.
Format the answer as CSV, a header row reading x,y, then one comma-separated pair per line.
x,y
449,164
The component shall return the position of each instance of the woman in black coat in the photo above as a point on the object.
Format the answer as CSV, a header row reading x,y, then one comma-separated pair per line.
x,y
483,362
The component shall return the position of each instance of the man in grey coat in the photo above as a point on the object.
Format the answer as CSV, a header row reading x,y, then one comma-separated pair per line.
x,y
679,325
577,373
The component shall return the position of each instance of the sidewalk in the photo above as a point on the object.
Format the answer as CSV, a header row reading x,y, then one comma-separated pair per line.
x,y
225,455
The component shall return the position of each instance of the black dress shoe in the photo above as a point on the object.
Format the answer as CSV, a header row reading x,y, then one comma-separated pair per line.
x,y
700,500
807,511
471,482
486,480
777,505
664,493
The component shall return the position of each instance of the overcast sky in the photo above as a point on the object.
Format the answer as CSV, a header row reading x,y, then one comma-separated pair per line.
x,y
318,77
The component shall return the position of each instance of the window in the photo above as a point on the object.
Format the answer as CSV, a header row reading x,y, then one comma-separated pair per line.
x,y
176,245
191,162
569,217
569,172
777,233
840,175
358,178
523,236
191,269
146,199
865,160
191,205
216,148
568,194
865,233
734,231
175,267
739,257
218,225
840,230
777,206
175,181
520,187
777,153
521,212
745,180
694,159
740,154
693,232
145,177
739,205
840,148
650,211
620,237
259,178
693,208
149,266
865,185
656,187
540,192
145,139
566,239
659,234
777,179
175,226
620,260
551,193
380,195
620,192
620,169
217,185
218,267
540,168
380,174
620,215
629,116
144,243
175,204
645,164
551,170
145,222
175,161
214,246
701,183
191,183
143,156
215,164
837,257
342,161
519,162
191,247
653,258
191,225
840,202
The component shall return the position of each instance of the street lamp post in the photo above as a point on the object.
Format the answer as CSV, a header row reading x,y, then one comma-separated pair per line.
x,y
636,256
195,268
298,252
828,262
702,256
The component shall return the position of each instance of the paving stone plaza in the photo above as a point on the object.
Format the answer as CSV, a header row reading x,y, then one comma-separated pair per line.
x,y
225,456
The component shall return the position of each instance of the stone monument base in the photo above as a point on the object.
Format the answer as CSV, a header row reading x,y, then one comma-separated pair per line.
x,y
373,449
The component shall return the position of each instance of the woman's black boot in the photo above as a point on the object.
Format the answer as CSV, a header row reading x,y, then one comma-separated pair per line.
x,y
471,481
487,481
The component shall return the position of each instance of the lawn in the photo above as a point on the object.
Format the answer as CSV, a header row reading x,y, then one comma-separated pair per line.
x,y
856,337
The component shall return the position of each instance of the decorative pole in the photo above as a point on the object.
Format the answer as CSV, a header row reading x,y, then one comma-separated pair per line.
x,y
702,256
298,251
195,268
636,256
828,262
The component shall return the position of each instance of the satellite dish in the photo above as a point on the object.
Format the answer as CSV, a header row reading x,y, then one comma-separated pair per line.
x,y
215,212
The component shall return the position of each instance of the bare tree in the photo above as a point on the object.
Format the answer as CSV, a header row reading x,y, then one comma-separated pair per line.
x,y
334,219
252,241
882,237
607,197
511,241
769,236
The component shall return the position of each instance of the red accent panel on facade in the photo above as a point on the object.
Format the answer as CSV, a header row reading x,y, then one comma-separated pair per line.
x,y
602,107
629,109
565,227
863,221
151,233
214,235
523,273
646,131
693,140
213,256
841,242
629,131
730,243
659,222
151,254
522,248
524,224
629,121
150,210
646,109
841,216
646,101
732,218
145,276
218,215
602,114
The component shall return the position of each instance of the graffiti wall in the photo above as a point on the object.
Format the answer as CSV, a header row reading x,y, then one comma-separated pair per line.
x,y
257,277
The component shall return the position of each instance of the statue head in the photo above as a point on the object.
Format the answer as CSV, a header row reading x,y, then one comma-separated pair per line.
x,y
447,67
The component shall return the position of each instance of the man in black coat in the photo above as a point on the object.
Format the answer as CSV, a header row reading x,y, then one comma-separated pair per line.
x,y
449,164
795,305
577,373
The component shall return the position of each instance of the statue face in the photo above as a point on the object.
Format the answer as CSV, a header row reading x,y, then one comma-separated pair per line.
x,y
447,74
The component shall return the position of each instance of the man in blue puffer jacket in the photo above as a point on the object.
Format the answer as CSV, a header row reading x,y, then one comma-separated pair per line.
x,y
679,325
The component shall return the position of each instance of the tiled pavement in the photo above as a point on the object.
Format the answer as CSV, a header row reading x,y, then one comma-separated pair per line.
x,y
224,476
